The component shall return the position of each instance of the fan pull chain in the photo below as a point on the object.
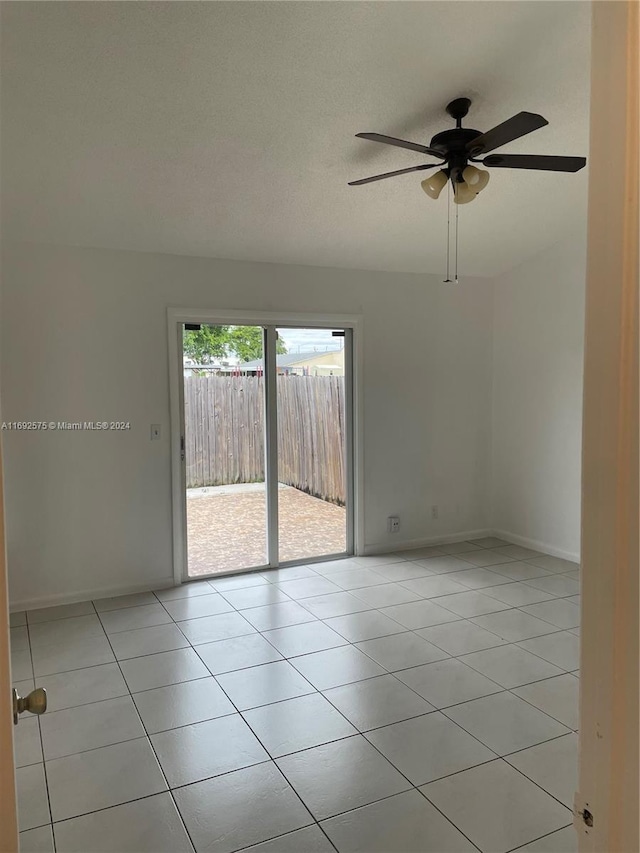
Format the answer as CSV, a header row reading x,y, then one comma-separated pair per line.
x,y
456,270
447,279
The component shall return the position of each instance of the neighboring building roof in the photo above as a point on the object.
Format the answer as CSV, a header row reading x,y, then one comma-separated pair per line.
x,y
290,359
214,363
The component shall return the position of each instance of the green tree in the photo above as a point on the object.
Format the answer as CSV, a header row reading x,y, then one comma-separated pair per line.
x,y
246,342
205,344
210,342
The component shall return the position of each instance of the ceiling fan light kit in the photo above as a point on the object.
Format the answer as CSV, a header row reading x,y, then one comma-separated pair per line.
x,y
434,184
462,194
459,148
476,179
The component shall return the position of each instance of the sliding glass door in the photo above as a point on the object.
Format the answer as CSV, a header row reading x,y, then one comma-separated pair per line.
x,y
266,445
312,470
224,452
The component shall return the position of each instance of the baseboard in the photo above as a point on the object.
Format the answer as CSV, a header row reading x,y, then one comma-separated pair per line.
x,y
514,538
375,548
87,595
537,545
412,544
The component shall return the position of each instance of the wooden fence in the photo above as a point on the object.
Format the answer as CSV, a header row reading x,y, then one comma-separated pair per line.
x,y
224,432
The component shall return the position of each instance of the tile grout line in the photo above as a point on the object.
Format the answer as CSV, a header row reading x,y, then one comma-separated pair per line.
x,y
44,763
221,576
144,737
119,805
359,733
547,835
151,746
354,644
563,671
263,745
548,793
538,743
511,690
503,759
544,791
314,690
351,591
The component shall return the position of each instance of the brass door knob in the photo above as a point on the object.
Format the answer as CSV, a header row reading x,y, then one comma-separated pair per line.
x,y
35,702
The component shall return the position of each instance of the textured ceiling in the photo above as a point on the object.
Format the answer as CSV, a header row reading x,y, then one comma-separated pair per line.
x,y
226,129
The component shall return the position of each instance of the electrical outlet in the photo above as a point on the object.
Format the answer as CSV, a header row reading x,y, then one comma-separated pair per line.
x,y
393,524
434,511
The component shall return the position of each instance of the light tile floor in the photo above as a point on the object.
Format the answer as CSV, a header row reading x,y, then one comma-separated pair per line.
x,y
419,702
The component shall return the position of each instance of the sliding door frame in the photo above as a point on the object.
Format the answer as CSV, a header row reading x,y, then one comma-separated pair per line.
x,y
354,445
269,349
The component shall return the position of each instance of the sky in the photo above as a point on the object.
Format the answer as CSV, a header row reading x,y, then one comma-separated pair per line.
x,y
308,340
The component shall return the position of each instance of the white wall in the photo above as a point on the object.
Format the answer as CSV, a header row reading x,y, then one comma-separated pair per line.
x,y
537,399
84,337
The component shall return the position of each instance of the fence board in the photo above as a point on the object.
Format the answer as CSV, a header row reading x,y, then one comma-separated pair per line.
x,y
224,432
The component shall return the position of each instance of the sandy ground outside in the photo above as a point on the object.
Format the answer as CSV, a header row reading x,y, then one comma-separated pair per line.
x,y
226,527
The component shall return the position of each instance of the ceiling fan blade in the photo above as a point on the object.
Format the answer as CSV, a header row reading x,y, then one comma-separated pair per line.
x,y
401,143
513,128
535,161
393,174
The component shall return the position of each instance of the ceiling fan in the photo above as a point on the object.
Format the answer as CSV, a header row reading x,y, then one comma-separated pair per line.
x,y
460,147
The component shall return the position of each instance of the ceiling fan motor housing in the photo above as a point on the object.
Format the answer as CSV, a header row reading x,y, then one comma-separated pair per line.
x,y
453,146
